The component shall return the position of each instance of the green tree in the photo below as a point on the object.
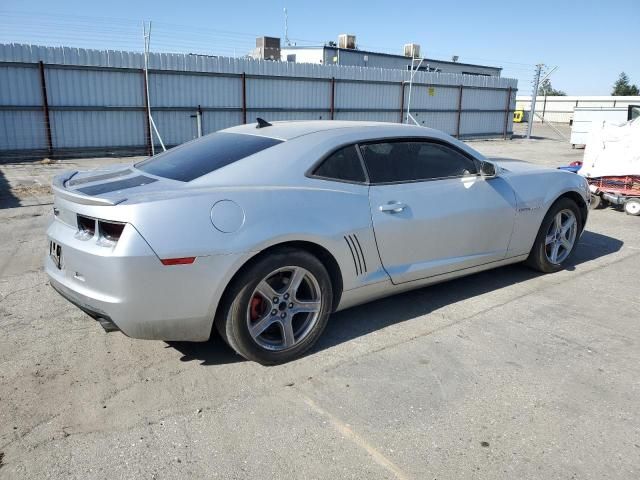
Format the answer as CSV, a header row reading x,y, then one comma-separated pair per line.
x,y
622,86
547,89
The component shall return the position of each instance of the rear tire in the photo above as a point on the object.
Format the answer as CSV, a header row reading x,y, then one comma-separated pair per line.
x,y
282,327
557,237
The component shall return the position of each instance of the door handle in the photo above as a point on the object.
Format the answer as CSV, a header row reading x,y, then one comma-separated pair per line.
x,y
393,207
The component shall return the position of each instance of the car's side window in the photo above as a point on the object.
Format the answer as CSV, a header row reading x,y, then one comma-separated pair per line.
x,y
411,161
343,165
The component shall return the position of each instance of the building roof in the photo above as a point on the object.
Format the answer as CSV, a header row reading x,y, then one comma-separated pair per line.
x,y
368,52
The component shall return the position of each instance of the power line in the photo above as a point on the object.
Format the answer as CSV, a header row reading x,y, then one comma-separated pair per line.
x,y
111,30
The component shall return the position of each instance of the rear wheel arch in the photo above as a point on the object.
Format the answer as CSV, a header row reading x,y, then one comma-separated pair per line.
x,y
318,251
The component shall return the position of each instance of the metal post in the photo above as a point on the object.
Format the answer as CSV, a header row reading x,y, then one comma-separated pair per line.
x,y
534,98
199,120
544,105
155,129
507,110
459,111
147,123
413,73
244,97
147,38
402,84
333,97
45,109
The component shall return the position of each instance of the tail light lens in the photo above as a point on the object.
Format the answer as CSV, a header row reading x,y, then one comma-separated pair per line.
x,y
86,227
110,231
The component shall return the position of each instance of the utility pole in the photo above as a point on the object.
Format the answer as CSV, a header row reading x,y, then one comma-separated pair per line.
x,y
534,97
286,28
147,42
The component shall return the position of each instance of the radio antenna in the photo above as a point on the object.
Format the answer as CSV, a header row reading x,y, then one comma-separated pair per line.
x,y
286,28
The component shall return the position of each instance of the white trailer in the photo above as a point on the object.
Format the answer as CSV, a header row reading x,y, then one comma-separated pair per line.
x,y
584,119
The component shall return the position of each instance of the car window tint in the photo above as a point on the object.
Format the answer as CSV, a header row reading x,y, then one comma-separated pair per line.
x,y
199,157
342,165
411,161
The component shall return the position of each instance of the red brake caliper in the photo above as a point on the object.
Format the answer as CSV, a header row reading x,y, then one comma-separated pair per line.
x,y
256,308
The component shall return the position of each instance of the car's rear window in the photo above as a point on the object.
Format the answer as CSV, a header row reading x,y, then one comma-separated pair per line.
x,y
199,157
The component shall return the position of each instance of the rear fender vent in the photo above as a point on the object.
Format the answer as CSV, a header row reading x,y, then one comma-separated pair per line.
x,y
357,254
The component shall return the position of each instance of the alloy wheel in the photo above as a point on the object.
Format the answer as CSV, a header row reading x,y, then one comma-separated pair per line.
x,y
284,307
561,236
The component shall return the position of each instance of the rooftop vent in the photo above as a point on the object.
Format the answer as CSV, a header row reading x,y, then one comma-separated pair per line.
x,y
412,50
267,48
347,41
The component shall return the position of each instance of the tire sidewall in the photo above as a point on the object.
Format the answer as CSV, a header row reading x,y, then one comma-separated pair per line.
x,y
234,320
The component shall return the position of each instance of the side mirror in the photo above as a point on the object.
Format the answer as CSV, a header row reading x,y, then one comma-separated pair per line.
x,y
488,170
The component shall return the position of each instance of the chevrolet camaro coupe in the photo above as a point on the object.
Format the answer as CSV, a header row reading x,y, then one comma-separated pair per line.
x,y
261,231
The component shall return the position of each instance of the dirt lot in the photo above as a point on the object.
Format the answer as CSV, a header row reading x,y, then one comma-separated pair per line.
x,y
505,374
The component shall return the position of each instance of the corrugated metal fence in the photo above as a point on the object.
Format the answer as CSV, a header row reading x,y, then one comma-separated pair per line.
x,y
63,101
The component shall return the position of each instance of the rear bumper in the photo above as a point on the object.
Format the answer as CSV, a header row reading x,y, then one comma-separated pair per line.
x,y
129,286
84,304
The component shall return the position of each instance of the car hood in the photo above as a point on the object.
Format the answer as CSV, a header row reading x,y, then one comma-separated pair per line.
x,y
512,165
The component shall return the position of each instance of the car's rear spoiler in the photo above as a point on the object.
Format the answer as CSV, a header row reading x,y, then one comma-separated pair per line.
x,y
59,189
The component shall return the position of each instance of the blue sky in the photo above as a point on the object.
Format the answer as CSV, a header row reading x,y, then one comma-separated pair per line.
x,y
591,42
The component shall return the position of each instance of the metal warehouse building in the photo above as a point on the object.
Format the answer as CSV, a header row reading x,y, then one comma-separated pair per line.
x,y
560,108
344,52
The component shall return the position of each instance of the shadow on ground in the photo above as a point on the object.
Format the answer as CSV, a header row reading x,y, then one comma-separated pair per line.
x,y
362,320
212,352
7,198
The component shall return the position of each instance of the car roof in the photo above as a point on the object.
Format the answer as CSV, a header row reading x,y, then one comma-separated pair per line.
x,y
287,130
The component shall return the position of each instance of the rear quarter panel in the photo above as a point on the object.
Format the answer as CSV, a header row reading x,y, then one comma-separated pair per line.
x,y
321,212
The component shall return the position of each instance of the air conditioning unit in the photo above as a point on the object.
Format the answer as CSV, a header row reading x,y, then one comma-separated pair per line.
x,y
347,41
268,48
412,50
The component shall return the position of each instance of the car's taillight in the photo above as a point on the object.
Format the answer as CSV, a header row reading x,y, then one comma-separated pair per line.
x,y
110,231
86,227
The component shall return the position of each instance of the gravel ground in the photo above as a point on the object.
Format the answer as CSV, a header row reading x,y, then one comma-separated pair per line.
x,y
504,374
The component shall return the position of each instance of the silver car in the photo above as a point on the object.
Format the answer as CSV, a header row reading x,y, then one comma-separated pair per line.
x,y
262,231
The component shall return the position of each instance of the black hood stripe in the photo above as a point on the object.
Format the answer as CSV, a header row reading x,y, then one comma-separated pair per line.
x,y
97,178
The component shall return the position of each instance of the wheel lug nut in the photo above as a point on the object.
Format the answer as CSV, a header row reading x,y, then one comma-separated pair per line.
x,y
276,300
286,296
273,312
291,305
283,315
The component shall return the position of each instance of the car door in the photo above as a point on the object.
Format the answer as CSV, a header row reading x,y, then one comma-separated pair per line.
x,y
432,211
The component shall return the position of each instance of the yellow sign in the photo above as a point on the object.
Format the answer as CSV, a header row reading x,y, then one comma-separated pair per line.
x,y
518,116
432,92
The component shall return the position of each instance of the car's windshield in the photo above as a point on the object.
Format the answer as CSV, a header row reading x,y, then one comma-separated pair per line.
x,y
197,158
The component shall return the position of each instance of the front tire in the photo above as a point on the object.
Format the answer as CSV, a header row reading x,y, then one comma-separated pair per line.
x,y
557,237
277,308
